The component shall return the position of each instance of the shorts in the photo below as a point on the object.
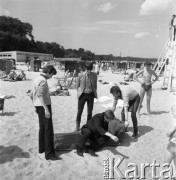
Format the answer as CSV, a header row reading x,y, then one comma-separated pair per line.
x,y
171,147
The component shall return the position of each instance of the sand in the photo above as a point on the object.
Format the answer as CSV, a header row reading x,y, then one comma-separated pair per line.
x,y
19,158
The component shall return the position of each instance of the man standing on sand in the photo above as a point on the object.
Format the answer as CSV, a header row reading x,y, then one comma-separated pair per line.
x,y
146,84
42,102
86,92
172,27
131,101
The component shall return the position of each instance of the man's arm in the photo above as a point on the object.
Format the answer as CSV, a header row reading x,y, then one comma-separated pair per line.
x,y
114,138
114,104
156,77
137,75
102,131
78,82
126,116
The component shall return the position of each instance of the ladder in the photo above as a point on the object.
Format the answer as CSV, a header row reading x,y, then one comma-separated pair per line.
x,y
172,81
168,71
167,51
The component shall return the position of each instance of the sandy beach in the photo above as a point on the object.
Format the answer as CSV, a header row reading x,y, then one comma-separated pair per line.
x,y
19,157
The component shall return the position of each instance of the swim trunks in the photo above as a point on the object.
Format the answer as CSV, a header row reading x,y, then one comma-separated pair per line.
x,y
146,87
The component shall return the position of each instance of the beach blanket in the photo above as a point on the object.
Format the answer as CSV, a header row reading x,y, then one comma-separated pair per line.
x,y
67,141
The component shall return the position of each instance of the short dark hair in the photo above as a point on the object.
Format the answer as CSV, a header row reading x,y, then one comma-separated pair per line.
x,y
88,66
147,63
109,114
49,69
115,89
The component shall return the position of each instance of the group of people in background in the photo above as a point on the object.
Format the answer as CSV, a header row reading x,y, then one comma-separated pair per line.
x,y
96,132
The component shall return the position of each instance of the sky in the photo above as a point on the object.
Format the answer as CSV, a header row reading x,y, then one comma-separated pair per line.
x,y
137,28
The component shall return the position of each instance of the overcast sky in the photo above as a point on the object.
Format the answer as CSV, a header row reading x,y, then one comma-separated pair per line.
x,y
137,28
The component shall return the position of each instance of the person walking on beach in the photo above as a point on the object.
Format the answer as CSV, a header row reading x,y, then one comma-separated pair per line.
x,y
146,84
86,92
131,100
170,153
96,130
172,27
42,102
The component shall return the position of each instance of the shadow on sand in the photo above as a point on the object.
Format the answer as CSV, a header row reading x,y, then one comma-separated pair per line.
x,y
156,113
8,154
8,114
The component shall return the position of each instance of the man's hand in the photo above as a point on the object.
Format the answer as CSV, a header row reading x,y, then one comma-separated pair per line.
x,y
47,113
115,138
126,124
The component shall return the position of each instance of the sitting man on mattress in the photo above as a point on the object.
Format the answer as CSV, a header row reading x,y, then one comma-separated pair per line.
x,y
96,130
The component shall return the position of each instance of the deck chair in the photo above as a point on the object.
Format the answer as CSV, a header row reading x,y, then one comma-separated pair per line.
x,y
74,77
1,104
63,80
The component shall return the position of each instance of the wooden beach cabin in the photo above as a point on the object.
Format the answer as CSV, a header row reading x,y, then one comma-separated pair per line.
x,y
6,65
70,64
35,64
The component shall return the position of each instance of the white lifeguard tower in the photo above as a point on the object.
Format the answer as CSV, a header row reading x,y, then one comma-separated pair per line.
x,y
167,63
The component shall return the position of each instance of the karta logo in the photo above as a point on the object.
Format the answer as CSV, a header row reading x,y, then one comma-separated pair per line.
x,y
112,169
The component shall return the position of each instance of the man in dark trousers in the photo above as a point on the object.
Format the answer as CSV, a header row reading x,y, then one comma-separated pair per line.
x,y
96,130
42,102
86,92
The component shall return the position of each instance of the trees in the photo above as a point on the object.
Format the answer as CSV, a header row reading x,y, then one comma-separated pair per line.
x,y
15,35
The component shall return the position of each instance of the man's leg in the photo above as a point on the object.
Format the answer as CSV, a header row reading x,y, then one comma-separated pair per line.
x,y
49,135
123,115
174,32
142,93
85,135
133,114
149,95
81,102
41,114
90,104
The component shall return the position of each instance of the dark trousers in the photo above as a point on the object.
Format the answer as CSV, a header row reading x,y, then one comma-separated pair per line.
x,y
85,97
174,32
133,106
46,134
96,141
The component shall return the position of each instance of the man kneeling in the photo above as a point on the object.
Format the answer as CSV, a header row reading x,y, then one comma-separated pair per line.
x,y
96,130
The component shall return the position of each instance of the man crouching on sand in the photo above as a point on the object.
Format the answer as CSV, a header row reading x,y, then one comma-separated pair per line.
x,y
96,130
42,102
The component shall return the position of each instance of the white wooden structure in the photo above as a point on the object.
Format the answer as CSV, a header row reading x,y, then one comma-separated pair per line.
x,y
167,62
23,57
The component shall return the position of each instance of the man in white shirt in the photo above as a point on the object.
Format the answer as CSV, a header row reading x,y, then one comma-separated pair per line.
x,y
42,102
131,100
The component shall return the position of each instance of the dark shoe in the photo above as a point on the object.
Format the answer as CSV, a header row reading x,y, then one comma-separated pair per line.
x,y
77,127
53,157
92,153
79,151
40,152
134,135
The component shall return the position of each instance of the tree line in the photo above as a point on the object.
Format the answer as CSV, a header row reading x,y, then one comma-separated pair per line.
x,y
16,35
